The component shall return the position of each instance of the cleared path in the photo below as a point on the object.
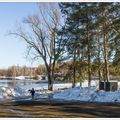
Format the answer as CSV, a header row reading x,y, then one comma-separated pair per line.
x,y
58,109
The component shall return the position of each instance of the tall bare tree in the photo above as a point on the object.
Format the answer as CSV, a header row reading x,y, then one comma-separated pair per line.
x,y
42,37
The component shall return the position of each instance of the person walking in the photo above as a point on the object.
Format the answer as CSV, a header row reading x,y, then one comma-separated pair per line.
x,y
32,92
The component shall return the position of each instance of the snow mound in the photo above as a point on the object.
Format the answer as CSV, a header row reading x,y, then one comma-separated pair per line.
x,y
103,96
9,92
20,77
88,94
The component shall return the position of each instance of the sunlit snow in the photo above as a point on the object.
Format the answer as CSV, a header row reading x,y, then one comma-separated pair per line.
x,y
63,91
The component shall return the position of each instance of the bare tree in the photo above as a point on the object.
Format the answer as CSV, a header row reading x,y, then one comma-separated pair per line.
x,y
42,37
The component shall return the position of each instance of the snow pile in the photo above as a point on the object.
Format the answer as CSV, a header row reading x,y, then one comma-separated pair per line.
x,y
61,86
61,91
88,94
103,96
83,94
93,83
9,92
20,77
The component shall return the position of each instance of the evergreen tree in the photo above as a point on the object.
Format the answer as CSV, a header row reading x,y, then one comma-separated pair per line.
x,y
79,20
108,14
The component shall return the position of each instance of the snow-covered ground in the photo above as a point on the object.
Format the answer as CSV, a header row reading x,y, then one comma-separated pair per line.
x,y
20,77
62,91
88,94
41,89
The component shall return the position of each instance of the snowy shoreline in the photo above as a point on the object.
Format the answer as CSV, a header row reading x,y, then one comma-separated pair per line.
x,y
61,92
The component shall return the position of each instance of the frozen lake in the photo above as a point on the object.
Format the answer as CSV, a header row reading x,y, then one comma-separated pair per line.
x,y
14,83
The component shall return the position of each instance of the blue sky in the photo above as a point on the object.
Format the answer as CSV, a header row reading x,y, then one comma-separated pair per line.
x,y
12,49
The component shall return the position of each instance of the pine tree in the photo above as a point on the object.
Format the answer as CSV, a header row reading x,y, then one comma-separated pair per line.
x,y
108,14
79,19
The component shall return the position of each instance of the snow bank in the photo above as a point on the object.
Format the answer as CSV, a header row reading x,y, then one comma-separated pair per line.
x,y
61,86
9,92
20,77
62,91
22,91
88,94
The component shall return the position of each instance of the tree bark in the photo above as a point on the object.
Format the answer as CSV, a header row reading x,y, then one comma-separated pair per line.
x,y
88,50
89,59
106,57
74,69
50,84
99,70
89,68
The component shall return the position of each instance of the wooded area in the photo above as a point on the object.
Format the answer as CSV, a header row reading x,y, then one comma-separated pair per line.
x,y
87,34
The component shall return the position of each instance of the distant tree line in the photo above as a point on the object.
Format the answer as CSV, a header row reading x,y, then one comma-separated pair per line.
x,y
14,71
63,71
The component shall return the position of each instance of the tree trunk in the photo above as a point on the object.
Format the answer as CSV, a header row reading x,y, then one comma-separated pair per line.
x,y
50,83
52,72
74,70
89,68
80,83
106,57
80,75
88,50
89,60
99,70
